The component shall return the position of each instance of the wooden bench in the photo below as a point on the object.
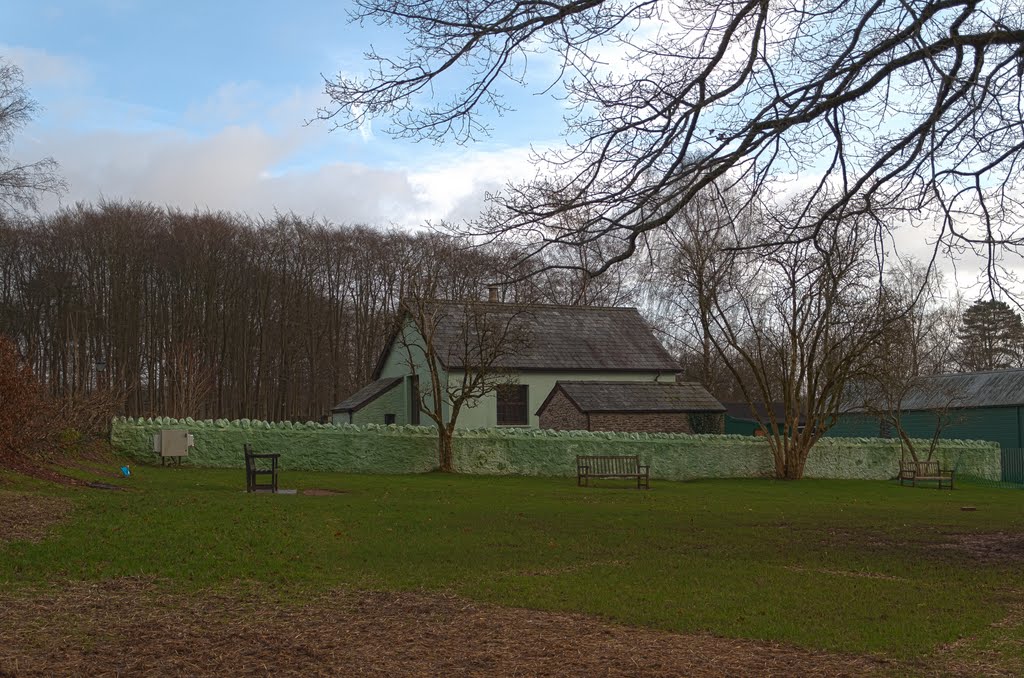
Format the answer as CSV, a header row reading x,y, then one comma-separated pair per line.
x,y
588,467
256,466
925,470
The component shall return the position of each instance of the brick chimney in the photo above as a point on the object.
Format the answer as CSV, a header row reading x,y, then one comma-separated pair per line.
x,y
492,294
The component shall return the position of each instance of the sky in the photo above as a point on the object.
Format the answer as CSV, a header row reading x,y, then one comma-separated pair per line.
x,y
212,105
208,105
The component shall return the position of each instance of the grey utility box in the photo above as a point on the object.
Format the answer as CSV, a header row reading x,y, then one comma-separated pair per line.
x,y
172,444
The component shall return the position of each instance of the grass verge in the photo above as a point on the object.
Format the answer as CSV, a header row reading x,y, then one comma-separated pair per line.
x,y
836,566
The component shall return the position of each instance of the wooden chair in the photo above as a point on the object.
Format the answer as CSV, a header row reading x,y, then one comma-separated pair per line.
x,y
256,466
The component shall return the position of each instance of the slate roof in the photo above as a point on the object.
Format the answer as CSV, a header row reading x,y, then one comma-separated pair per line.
x,y
366,394
637,396
560,338
998,388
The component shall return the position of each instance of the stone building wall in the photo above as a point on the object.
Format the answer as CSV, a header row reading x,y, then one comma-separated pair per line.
x,y
636,422
560,414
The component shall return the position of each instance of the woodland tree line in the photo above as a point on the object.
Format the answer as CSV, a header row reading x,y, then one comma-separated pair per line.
x,y
212,314
763,296
220,315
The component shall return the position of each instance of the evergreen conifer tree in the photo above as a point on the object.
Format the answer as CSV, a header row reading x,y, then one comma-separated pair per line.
x,y
991,337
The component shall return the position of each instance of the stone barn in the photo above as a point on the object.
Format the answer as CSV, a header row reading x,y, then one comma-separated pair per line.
x,y
647,406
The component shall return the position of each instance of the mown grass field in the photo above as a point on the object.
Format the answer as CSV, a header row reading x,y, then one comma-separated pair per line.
x,y
844,566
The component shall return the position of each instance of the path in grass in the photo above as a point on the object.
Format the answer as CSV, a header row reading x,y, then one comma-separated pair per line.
x,y
130,627
832,568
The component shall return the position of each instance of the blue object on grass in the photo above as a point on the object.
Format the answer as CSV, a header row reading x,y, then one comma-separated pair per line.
x,y
126,472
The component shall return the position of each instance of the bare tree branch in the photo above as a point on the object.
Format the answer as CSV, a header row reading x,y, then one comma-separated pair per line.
x,y
914,106
21,183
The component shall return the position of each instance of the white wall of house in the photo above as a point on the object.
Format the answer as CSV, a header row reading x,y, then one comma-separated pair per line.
x,y
402,357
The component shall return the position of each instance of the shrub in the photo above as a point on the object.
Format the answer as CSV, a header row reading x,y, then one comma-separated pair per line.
x,y
25,410
87,414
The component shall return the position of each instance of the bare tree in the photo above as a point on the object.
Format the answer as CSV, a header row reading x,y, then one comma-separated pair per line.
x,y
189,380
893,376
463,347
696,267
563,273
21,183
460,345
913,105
797,329
887,398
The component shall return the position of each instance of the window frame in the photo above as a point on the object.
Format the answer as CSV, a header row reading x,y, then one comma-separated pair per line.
x,y
503,406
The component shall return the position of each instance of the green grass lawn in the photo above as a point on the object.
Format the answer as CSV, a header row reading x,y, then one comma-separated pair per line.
x,y
858,566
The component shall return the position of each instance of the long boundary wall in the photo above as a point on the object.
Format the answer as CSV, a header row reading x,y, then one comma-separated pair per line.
x,y
412,449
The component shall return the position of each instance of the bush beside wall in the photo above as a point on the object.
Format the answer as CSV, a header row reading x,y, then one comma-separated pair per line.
x,y
412,449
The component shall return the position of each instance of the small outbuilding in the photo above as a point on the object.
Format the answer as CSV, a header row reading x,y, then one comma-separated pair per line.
x,y
649,406
379,402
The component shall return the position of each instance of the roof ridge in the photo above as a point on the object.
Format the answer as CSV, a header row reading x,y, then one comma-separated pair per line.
x,y
634,382
533,305
968,374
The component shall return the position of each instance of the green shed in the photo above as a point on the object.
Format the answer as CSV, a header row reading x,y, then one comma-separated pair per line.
x,y
741,420
974,406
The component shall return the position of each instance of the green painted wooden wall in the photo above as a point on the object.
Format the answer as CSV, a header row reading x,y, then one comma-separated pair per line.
x,y
1003,425
998,424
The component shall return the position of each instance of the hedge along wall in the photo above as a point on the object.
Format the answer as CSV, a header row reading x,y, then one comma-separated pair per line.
x,y
412,449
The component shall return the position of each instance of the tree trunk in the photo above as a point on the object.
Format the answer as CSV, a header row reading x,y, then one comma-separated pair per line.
x,y
795,465
790,458
444,450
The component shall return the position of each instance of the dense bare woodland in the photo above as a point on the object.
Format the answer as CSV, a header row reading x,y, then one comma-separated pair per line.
x,y
219,315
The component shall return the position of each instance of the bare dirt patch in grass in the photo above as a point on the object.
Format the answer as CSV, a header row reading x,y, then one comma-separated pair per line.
x,y
1003,655
131,628
29,517
988,547
98,469
319,492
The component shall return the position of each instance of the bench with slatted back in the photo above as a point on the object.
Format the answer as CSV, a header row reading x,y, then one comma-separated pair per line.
x,y
257,465
925,470
588,467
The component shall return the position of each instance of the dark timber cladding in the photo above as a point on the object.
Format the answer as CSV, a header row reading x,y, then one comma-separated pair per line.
x,y
559,338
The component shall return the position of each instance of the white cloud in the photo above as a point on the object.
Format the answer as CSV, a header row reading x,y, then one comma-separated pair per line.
x,y
232,102
458,181
42,68
237,169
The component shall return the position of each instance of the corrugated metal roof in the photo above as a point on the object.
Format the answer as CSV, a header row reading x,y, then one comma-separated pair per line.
x,y
999,388
559,338
366,394
639,396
